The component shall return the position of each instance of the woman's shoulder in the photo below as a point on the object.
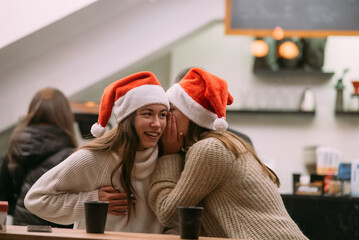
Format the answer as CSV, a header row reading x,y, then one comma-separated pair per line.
x,y
210,143
83,160
89,154
210,146
210,153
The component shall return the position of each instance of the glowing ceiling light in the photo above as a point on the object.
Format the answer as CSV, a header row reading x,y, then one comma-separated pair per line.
x,y
90,104
288,50
278,33
259,48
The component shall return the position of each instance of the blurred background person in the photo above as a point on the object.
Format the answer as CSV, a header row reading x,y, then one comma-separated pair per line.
x,y
42,139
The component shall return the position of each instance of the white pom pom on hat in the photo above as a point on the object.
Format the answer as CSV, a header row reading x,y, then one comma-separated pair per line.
x,y
220,124
125,96
97,130
203,98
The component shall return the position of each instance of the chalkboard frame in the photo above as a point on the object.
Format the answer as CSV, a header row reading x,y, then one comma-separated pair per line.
x,y
263,32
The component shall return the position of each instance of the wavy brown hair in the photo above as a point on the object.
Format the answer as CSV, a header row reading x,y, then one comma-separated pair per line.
x,y
123,142
197,133
48,106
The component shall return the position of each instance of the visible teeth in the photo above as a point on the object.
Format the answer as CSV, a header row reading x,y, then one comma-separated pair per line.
x,y
153,134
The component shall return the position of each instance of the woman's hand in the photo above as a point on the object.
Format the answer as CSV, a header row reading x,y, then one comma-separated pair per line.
x,y
172,141
117,201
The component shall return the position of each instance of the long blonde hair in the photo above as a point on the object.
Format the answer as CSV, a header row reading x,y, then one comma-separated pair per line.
x,y
123,142
197,133
48,106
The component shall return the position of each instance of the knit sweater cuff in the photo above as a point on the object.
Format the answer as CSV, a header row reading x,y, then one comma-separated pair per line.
x,y
169,168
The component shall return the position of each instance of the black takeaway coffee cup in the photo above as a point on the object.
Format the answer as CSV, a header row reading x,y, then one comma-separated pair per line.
x,y
190,219
95,216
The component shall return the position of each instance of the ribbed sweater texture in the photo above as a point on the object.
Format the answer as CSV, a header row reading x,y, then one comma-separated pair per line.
x,y
239,200
59,195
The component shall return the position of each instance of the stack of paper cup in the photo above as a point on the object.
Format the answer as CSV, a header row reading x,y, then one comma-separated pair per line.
x,y
354,181
3,213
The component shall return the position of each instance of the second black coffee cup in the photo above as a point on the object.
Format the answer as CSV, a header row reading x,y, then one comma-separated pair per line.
x,y
190,219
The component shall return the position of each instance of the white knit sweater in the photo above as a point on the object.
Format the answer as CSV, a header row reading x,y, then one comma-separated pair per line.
x,y
59,195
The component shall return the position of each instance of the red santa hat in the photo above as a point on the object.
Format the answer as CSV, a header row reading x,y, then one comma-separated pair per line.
x,y
203,98
126,96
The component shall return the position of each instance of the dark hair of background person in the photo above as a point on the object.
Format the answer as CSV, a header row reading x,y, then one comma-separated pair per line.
x,y
42,139
181,74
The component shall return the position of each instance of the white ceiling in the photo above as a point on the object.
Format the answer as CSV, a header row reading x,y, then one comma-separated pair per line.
x,y
19,18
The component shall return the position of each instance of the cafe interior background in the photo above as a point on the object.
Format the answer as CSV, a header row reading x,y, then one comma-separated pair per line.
x,y
80,46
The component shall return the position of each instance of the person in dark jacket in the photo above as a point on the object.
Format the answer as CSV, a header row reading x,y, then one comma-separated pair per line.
x,y
43,138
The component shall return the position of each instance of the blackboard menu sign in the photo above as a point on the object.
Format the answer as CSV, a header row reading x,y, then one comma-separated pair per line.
x,y
301,18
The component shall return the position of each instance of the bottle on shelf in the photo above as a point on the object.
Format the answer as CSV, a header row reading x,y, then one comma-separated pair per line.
x,y
339,102
307,103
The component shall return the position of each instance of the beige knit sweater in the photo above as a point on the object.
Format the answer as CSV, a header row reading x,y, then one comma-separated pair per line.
x,y
59,194
239,200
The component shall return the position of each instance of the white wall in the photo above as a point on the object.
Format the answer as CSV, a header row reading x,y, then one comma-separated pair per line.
x,y
279,140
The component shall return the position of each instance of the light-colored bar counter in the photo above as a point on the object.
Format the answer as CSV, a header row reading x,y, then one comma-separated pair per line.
x,y
20,233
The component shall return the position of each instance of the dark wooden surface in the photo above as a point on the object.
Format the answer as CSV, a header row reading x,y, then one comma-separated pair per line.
x,y
325,217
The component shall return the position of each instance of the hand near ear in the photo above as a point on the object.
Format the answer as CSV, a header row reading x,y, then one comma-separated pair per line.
x,y
172,141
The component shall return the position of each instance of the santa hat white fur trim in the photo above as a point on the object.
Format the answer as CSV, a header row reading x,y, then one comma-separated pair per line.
x,y
139,97
134,99
193,110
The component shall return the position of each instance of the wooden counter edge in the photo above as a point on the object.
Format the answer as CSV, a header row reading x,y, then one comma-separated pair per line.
x,y
20,233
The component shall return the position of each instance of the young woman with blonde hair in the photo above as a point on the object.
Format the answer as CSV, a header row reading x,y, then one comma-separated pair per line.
x,y
205,165
115,167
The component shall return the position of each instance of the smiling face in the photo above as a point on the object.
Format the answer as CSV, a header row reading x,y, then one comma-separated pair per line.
x,y
181,120
150,122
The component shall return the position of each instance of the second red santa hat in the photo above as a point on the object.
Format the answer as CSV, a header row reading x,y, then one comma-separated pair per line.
x,y
203,98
